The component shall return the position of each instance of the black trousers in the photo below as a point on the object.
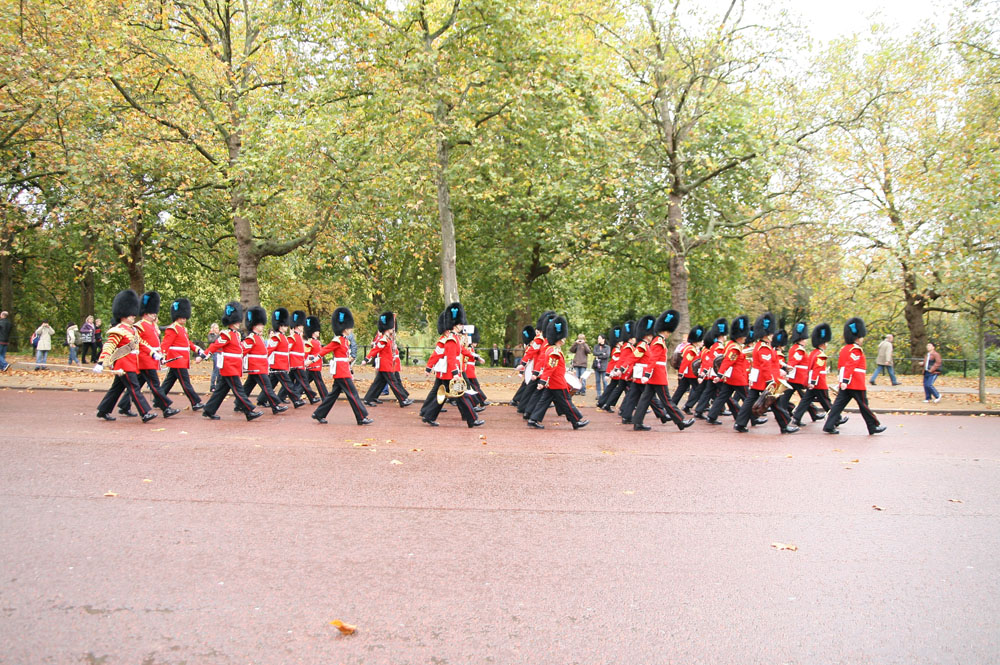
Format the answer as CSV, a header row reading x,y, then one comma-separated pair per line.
x,y
346,386
528,397
474,385
561,398
786,400
300,381
383,379
316,377
432,409
151,378
695,394
708,391
744,416
657,397
127,383
399,382
843,397
222,388
724,398
634,390
519,395
281,378
812,395
180,375
683,385
614,393
266,391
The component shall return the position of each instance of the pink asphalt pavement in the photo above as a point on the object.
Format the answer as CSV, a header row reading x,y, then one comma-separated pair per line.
x,y
231,542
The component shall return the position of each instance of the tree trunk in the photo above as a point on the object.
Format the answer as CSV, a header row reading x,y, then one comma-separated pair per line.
x,y
679,274
247,257
913,312
87,294
519,315
133,262
7,291
981,343
449,275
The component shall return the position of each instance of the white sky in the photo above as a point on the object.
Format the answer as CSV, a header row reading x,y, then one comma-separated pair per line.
x,y
827,20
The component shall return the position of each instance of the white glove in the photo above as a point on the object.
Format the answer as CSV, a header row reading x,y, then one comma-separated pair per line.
x,y
157,356
98,368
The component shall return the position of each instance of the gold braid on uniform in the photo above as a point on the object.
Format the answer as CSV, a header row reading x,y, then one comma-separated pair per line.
x,y
112,352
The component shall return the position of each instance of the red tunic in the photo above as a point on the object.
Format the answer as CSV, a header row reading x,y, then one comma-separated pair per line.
x,y
554,370
470,362
852,367
230,345
798,359
626,360
341,362
277,346
688,356
766,367
533,351
123,334
151,336
447,364
817,369
382,353
255,351
177,347
296,351
397,364
656,361
614,359
735,367
313,347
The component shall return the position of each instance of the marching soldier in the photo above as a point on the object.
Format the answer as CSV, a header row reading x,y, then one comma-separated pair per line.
x,y
732,376
539,348
383,357
687,377
644,334
230,347
551,383
446,368
177,350
615,338
623,367
343,381
798,370
766,371
654,377
148,364
255,361
852,367
817,366
527,337
314,362
469,358
121,349
715,343
297,358
278,358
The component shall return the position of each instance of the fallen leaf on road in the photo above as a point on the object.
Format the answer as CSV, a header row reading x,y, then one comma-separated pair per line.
x,y
361,445
183,432
395,461
848,468
482,436
416,450
146,480
160,429
855,461
837,450
110,493
955,500
788,457
783,546
370,439
389,440
629,492
344,628
878,508
607,452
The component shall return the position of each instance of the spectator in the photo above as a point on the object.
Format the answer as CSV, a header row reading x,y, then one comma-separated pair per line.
x,y
5,326
518,354
354,347
580,351
494,356
43,343
602,352
73,340
883,361
932,370
87,339
98,340
213,334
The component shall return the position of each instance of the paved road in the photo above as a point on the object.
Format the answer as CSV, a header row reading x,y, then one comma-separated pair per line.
x,y
596,546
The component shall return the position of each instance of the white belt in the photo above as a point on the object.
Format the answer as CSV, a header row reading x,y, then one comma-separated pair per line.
x,y
342,360
859,369
296,353
663,363
232,355
178,348
254,355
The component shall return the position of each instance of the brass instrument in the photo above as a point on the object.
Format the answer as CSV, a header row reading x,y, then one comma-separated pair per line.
x,y
456,388
769,396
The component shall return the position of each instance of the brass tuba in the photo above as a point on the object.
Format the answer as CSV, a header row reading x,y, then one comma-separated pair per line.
x,y
769,396
456,388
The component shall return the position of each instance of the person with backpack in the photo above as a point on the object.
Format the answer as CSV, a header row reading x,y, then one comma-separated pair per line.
x,y
87,340
73,341
42,341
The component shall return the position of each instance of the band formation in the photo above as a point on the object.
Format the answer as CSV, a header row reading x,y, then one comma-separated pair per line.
x,y
727,369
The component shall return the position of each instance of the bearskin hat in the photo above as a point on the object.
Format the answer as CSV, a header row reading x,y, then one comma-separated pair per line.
x,y
628,330
454,315
696,334
821,334
558,329
615,334
279,318
750,336
256,316
645,326
719,328
765,325
740,327
298,318
150,303
668,321
800,331
386,321
543,320
441,327
527,334
126,303
780,339
232,313
341,320
180,309
854,329
313,325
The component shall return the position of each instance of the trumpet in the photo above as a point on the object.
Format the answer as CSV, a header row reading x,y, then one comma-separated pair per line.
x,y
456,388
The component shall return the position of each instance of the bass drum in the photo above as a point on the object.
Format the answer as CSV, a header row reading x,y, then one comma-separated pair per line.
x,y
574,381
528,369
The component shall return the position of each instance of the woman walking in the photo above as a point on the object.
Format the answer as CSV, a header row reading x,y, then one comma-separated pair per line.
x,y
73,341
87,340
601,354
932,370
